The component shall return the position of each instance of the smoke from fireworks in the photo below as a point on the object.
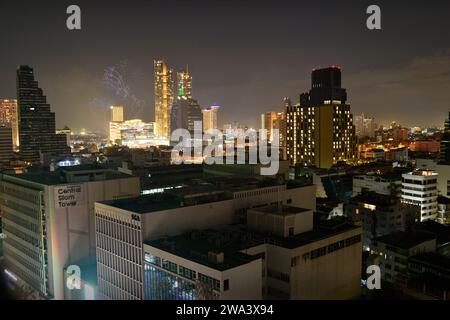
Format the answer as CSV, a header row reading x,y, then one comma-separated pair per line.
x,y
115,79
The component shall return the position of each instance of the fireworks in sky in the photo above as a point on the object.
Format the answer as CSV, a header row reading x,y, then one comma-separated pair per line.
x,y
117,80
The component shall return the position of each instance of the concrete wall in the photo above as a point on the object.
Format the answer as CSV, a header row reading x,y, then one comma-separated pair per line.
x,y
336,275
175,221
304,197
71,230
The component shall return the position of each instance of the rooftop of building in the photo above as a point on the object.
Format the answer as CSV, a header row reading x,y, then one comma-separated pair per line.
x,y
376,199
433,259
194,192
196,245
405,240
281,210
390,176
321,230
43,175
422,173
440,231
443,200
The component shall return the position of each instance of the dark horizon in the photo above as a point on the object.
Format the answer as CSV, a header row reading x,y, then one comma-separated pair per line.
x,y
243,57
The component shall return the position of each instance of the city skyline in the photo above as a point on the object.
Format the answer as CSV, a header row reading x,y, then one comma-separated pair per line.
x,y
390,79
238,151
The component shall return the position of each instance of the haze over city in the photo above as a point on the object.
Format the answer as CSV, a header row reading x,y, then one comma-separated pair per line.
x,y
244,57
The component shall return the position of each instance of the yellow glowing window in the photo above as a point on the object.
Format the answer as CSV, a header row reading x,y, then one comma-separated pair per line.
x,y
370,206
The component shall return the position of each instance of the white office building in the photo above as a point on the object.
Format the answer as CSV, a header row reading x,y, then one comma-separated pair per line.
x,y
277,255
420,188
123,226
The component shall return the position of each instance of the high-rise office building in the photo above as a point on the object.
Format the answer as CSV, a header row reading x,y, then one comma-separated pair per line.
x,y
164,97
115,123
37,133
210,118
10,117
48,220
320,130
185,112
420,188
184,84
6,146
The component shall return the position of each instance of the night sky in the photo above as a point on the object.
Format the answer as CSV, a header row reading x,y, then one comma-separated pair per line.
x,y
243,55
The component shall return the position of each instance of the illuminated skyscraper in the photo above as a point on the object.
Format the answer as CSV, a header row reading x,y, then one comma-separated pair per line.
x,y
184,84
116,114
9,117
37,134
115,123
320,130
210,118
164,97
274,120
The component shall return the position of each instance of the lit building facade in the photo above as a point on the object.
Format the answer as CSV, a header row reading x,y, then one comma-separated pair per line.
x,y
420,188
164,97
115,123
210,118
274,120
116,114
267,121
135,133
48,220
9,116
320,130
184,84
